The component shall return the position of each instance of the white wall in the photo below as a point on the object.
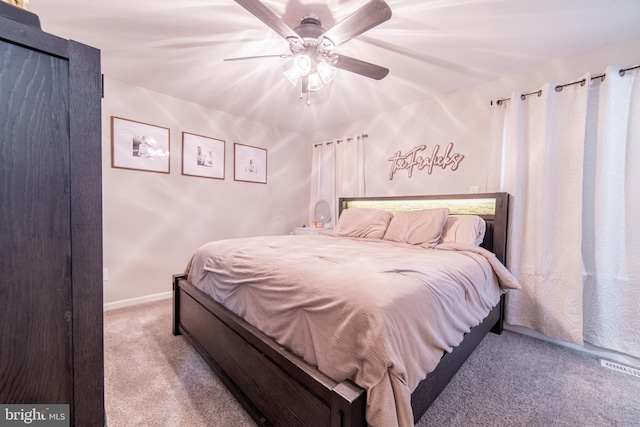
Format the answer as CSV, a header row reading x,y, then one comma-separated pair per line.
x,y
462,117
153,221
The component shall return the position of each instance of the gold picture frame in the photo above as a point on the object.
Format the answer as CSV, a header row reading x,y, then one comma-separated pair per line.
x,y
24,4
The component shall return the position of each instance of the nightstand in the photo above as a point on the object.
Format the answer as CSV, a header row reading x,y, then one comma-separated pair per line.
x,y
310,230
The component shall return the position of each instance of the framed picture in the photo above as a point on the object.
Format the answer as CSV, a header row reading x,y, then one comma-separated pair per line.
x,y
250,164
202,156
139,146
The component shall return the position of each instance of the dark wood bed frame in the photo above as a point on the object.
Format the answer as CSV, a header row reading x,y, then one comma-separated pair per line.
x,y
278,388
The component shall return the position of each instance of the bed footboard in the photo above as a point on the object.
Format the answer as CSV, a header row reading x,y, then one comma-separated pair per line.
x,y
249,363
273,385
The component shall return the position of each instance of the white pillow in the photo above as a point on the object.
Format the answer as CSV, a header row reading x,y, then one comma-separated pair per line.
x,y
362,222
422,228
465,229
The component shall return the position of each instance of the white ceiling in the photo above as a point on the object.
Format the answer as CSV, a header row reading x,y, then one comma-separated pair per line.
x,y
430,46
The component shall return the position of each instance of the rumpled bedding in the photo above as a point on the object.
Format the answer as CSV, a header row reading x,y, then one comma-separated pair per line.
x,y
377,312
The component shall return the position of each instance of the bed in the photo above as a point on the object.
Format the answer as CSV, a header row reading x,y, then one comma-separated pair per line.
x,y
285,371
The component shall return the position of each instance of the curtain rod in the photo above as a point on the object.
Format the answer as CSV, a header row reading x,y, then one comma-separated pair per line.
x,y
362,135
559,88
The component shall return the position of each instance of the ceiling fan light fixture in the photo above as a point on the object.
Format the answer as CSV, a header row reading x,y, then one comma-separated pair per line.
x,y
312,46
327,72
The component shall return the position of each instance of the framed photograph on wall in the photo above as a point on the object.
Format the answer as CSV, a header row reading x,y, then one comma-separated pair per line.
x,y
250,163
139,146
202,156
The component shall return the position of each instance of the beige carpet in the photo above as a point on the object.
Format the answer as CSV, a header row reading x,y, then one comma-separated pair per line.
x,y
155,379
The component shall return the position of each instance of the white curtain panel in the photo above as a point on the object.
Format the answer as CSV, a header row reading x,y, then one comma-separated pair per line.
x,y
611,240
322,177
545,140
349,169
337,170
570,160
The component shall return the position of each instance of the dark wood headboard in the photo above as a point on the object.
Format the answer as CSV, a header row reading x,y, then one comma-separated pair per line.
x,y
492,207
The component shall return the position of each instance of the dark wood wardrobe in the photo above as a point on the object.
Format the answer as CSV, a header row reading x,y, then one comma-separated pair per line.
x,y
51,331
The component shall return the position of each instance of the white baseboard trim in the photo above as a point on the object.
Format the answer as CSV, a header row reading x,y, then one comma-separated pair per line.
x,y
136,301
587,348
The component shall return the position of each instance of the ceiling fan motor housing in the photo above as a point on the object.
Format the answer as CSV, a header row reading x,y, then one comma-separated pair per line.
x,y
310,31
309,28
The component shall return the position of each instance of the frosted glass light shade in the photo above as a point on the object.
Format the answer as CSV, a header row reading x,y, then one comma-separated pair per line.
x,y
326,72
315,82
315,72
302,63
292,74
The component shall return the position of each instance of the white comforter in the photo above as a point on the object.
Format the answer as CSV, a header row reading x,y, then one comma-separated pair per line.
x,y
377,312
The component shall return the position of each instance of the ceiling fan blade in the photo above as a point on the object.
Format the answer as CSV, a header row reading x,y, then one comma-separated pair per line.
x,y
259,57
368,16
428,59
361,67
267,16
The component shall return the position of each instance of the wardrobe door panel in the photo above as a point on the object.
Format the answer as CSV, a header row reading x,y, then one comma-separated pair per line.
x,y
36,363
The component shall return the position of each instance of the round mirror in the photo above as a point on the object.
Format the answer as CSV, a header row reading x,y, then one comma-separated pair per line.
x,y
322,211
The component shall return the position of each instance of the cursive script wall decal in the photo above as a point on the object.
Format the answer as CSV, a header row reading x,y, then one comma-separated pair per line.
x,y
411,159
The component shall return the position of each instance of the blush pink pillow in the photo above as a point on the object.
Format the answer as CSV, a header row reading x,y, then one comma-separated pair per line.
x,y
363,223
421,228
465,229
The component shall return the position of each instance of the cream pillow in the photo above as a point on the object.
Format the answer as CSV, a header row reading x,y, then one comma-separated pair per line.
x,y
423,227
465,229
363,222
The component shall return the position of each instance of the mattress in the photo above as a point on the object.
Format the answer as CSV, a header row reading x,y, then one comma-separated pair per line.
x,y
378,312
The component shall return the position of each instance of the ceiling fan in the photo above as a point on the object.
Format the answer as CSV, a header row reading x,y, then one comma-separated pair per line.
x,y
311,45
